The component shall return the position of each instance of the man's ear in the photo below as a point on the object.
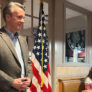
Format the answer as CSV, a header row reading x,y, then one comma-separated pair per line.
x,y
8,16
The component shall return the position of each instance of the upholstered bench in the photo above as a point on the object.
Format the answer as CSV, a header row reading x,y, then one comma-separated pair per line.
x,y
73,84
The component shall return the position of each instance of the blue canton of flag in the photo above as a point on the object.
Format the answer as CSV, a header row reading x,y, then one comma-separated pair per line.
x,y
38,42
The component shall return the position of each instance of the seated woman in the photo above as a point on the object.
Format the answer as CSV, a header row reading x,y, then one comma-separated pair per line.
x,y
88,81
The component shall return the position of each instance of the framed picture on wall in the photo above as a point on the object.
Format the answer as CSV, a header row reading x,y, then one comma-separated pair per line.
x,y
75,46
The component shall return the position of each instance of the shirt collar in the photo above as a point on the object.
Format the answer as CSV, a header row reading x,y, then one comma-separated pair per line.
x,y
11,35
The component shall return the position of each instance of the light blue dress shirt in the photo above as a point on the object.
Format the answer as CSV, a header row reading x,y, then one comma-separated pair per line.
x,y
17,47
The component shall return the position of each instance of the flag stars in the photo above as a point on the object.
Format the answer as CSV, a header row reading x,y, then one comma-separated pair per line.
x,y
46,48
45,61
44,28
43,41
44,35
45,54
38,47
34,47
40,28
45,66
37,53
39,40
39,34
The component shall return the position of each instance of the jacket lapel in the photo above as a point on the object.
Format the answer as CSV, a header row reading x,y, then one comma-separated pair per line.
x,y
9,43
22,44
24,52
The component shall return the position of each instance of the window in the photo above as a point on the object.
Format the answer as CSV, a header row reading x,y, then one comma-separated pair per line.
x,y
75,34
32,8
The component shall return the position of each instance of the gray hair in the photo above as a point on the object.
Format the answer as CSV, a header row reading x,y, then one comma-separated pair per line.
x,y
8,8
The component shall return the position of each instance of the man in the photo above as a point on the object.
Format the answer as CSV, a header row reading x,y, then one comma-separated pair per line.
x,y
14,70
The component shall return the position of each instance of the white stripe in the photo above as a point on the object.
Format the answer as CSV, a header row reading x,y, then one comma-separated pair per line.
x,y
36,64
36,84
45,80
49,78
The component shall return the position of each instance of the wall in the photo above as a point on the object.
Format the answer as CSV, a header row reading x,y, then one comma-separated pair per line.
x,y
71,71
59,34
51,28
62,69
90,37
76,24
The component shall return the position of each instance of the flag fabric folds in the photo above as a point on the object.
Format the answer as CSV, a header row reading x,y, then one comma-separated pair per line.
x,y
41,81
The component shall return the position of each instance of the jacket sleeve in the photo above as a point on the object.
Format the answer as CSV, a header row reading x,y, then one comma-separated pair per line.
x,y
5,81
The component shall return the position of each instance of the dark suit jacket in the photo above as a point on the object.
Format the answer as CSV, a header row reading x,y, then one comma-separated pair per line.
x,y
10,67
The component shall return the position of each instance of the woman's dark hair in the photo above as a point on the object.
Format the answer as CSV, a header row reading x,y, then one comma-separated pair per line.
x,y
90,73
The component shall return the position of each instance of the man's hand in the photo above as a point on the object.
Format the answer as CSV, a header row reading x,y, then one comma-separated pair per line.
x,y
21,83
26,81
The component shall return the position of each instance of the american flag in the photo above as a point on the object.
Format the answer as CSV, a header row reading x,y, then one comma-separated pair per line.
x,y
41,81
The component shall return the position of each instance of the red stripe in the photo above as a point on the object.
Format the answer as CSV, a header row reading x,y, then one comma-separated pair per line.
x,y
36,73
49,88
44,88
33,88
48,68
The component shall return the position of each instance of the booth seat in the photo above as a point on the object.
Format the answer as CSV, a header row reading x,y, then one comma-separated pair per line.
x,y
73,84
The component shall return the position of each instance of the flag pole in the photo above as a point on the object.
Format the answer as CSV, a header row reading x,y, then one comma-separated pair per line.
x,y
41,2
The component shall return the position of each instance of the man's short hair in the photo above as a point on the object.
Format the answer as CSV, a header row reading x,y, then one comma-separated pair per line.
x,y
8,8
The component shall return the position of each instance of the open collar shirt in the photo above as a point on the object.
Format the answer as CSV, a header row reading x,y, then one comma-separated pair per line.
x,y
17,47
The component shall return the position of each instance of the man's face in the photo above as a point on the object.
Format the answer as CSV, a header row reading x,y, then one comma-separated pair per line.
x,y
16,20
